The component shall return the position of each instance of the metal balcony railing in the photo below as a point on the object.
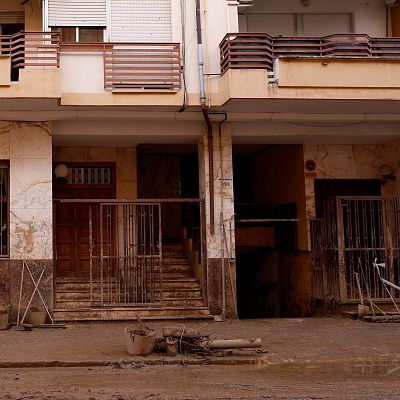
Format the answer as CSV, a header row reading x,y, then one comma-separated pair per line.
x,y
31,49
259,50
139,66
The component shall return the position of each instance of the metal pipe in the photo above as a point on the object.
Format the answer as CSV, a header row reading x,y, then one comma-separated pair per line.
x,y
203,104
233,344
223,265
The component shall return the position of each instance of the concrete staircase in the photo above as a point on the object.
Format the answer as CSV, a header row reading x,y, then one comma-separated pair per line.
x,y
182,298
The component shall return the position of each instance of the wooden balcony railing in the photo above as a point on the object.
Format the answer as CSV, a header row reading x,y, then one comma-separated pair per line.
x,y
259,50
138,66
31,49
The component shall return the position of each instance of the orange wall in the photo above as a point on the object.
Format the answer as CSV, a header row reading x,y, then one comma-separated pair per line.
x,y
395,17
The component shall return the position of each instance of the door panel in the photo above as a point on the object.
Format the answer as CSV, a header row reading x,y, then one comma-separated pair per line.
x,y
72,231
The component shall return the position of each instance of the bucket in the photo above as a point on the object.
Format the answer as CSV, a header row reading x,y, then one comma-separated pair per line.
x,y
140,342
4,315
36,316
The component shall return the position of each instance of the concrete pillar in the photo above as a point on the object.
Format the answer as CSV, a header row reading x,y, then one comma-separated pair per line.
x,y
28,147
220,247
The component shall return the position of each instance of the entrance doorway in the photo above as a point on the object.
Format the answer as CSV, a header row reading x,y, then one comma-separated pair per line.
x,y
170,172
72,218
271,234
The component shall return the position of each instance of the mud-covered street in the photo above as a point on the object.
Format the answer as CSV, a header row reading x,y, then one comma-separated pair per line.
x,y
314,358
295,381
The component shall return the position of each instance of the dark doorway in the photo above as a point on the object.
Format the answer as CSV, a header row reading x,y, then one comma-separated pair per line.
x,y
170,176
270,212
328,188
258,283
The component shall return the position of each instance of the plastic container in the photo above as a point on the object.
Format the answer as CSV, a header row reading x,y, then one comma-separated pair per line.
x,y
140,342
4,316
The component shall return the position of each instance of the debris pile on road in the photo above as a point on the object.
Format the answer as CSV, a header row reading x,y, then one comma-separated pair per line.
x,y
179,340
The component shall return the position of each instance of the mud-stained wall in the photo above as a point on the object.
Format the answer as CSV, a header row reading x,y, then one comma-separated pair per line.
x,y
351,162
295,283
28,148
124,158
223,209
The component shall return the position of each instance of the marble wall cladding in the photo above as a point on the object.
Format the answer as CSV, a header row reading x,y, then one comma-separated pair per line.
x,y
31,140
223,186
343,162
30,154
124,158
31,234
31,181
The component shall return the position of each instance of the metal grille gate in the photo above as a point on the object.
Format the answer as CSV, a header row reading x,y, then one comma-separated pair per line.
x,y
125,253
353,234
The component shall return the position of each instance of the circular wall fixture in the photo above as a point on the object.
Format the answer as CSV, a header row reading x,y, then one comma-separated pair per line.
x,y
310,165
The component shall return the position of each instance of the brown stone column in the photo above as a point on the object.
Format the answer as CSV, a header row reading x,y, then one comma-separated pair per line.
x,y
28,147
220,246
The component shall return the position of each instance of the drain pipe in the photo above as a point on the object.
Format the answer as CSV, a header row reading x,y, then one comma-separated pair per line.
x,y
206,117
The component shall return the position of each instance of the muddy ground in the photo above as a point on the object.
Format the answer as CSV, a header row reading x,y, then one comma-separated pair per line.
x,y
316,358
294,381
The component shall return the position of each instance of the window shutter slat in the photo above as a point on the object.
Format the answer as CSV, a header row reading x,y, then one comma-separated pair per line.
x,y
141,21
77,13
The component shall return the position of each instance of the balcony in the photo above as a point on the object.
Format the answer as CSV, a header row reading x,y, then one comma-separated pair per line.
x,y
38,64
341,62
29,63
121,74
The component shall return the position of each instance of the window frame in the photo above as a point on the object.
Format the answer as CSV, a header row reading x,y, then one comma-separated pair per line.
x,y
77,32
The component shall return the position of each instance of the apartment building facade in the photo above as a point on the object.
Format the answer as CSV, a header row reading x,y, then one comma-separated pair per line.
x,y
183,158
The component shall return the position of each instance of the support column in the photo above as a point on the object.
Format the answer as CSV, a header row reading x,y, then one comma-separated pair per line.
x,y
28,147
221,287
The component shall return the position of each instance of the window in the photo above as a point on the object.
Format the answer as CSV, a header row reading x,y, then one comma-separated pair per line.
x,y
306,24
72,34
4,217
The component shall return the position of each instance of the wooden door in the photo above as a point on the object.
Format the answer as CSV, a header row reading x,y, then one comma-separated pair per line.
x,y
72,231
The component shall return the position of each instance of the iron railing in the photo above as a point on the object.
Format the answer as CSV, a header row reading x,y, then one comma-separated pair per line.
x,y
122,252
355,233
259,50
32,49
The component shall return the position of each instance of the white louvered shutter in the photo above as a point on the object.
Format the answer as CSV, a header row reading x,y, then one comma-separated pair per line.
x,y
77,12
326,24
273,24
141,21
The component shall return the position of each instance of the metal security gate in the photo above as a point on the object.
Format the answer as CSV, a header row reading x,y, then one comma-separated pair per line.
x,y
125,254
355,233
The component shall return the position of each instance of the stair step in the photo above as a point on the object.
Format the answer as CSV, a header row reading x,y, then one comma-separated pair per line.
x,y
175,260
167,302
123,314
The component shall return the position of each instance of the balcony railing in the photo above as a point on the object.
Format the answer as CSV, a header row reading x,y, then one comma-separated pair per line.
x,y
138,66
259,50
31,49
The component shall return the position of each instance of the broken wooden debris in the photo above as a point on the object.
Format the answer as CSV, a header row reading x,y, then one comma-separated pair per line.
x,y
178,340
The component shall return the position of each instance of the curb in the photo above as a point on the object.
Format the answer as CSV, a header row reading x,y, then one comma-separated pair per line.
x,y
138,363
